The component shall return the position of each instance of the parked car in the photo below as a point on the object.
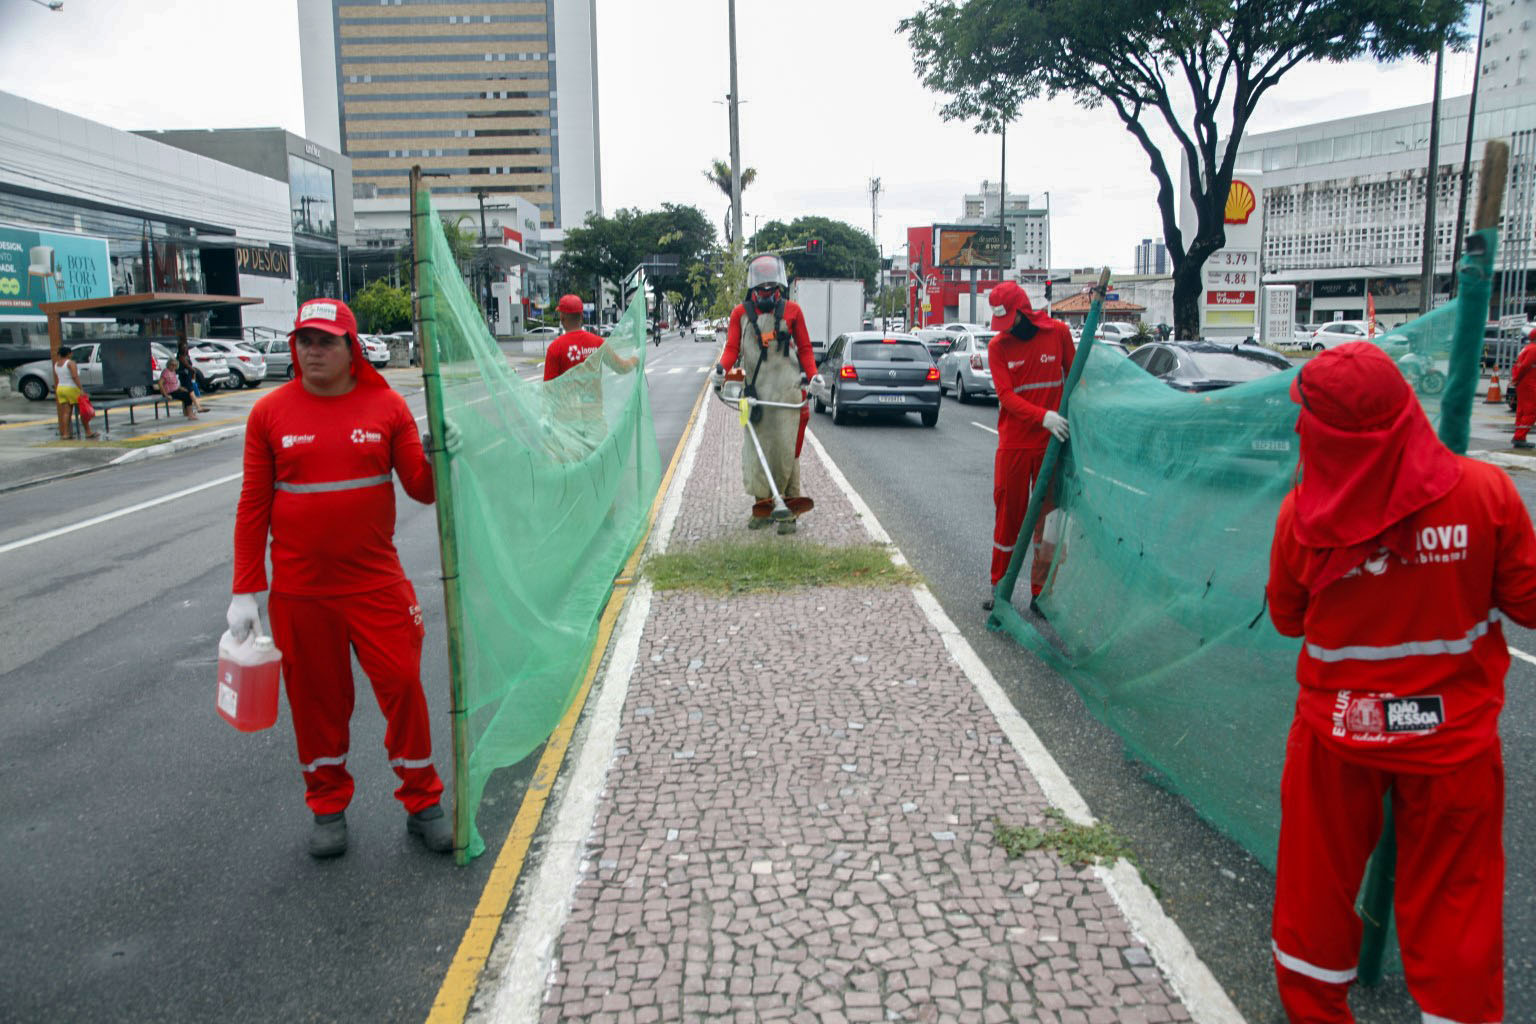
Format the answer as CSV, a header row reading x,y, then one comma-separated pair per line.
x,y
984,331
1196,366
409,337
870,371
543,334
939,341
963,368
279,358
1337,332
375,350
208,364
247,364
35,379
1115,330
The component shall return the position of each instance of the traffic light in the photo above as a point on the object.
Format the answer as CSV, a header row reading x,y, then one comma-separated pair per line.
x,y
813,247
1047,290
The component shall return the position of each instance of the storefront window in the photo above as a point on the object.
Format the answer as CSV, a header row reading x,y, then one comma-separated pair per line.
x,y
312,198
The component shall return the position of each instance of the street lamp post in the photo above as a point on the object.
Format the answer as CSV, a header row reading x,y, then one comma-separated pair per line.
x,y
735,143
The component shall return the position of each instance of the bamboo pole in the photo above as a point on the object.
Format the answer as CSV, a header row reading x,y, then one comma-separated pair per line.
x,y
1474,288
442,478
1003,594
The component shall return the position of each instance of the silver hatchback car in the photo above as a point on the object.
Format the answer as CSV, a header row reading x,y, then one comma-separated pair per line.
x,y
963,369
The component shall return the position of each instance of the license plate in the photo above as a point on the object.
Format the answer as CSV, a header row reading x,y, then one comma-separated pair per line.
x,y
892,399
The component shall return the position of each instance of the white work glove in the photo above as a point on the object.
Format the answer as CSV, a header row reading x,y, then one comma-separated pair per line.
x,y
453,439
1056,424
244,617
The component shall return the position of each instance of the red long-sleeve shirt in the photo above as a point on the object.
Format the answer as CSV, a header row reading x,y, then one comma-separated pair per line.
x,y
1029,377
570,349
1521,375
317,476
794,322
1404,661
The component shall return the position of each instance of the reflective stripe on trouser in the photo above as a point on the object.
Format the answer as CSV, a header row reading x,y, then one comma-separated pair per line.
x,y
317,637
1013,476
1449,881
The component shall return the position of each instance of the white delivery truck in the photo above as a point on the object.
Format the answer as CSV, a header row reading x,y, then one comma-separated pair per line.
x,y
832,306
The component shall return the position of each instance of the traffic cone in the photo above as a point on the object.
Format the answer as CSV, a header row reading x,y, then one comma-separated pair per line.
x,y
1495,397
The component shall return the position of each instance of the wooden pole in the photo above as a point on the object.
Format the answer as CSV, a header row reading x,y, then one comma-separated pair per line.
x,y
442,476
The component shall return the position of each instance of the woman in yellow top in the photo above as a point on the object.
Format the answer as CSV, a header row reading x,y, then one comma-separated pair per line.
x,y
67,389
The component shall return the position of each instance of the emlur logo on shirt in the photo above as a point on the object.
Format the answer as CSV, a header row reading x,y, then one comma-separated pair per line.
x,y
361,436
289,440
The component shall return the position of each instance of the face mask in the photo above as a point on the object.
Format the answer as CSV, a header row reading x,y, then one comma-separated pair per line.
x,y
765,302
1023,327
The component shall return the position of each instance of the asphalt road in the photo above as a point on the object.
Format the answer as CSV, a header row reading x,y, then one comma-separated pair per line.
x,y
155,864
932,490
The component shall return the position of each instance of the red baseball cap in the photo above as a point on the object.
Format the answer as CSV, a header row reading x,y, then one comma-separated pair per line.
x,y
329,315
570,304
1007,299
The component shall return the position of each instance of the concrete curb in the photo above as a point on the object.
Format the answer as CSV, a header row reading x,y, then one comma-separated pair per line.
x,y
181,444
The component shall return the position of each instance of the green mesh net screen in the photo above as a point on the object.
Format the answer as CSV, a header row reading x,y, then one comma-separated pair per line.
x,y
1155,603
544,499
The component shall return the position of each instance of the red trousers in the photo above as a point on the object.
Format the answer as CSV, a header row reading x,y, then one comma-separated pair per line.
x,y
317,637
1525,405
1014,471
1449,898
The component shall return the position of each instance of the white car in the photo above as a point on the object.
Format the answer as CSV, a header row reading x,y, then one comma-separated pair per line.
x,y
376,350
543,334
209,364
1115,330
1337,332
247,364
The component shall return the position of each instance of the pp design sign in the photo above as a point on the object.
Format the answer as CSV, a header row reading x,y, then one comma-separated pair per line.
x,y
46,266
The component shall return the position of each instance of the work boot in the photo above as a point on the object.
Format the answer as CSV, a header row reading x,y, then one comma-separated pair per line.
x,y
986,605
787,526
1522,444
759,523
328,837
434,828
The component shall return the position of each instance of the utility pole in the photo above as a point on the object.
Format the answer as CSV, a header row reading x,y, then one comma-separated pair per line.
x,y
1431,186
1466,152
735,144
1004,250
874,228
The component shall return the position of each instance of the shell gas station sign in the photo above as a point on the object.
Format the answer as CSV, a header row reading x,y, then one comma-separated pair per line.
x,y
1229,302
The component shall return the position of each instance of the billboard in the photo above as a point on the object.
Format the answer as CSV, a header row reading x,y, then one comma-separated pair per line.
x,y
46,266
973,247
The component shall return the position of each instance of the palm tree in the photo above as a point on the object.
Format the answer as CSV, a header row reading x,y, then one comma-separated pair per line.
x,y
720,174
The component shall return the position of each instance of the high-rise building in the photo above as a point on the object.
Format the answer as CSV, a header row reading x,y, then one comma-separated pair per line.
x,y
1029,228
498,95
1151,257
1509,26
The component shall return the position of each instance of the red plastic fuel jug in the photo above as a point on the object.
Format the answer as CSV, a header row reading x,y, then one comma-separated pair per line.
x,y
248,678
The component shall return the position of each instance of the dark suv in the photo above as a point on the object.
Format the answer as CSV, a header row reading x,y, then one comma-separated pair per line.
x,y
870,371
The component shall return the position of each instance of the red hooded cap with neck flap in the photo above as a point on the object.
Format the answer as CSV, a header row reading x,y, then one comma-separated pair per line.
x,y
333,317
1008,299
1369,458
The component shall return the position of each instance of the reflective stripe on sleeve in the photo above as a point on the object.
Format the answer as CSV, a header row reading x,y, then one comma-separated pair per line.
x,y
1414,648
1433,1018
333,485
408,762
1300,966
1002,547
321,762
1058,382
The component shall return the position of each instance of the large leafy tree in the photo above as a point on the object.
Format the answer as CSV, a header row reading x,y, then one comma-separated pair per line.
x,y
719,175
382,308
1196,68
846,251
608,248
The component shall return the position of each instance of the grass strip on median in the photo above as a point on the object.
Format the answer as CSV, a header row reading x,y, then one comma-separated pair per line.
x,y
739,567
1075,843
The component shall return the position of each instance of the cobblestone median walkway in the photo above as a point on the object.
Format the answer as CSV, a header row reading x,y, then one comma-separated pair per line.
x,y
797,822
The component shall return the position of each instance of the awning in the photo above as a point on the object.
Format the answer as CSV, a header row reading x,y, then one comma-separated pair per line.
x,y
145,304
507,258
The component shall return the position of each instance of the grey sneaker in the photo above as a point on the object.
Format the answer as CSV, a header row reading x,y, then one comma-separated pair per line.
x,y
434,828
328,837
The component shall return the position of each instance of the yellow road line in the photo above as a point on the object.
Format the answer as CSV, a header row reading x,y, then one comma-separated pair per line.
x,y
463,977
28,423
173,431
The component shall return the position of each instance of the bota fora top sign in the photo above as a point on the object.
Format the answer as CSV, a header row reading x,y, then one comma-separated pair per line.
x,y
264,261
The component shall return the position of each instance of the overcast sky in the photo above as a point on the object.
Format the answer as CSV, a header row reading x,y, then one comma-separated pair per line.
x,y
830,101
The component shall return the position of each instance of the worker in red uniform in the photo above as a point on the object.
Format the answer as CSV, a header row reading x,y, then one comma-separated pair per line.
x,y
577,343
1394,560
1524,382
320,455
1029,358
768,334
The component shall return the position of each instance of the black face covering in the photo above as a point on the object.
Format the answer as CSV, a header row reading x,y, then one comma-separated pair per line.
x,y
1023,327
765,302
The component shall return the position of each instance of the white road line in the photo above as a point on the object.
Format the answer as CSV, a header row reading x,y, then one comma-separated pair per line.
x,y
109,516
1518,653
983,426
675,369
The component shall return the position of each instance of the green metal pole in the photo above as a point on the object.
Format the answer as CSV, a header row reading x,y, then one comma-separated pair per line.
x,y
1474,289
442,478
1003,595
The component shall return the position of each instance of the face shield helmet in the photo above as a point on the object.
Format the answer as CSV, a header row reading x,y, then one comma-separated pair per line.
x,y
766,282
